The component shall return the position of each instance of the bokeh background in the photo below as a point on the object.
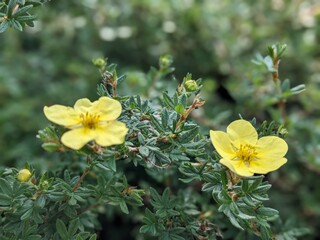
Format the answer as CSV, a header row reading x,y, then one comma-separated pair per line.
x,y
214,40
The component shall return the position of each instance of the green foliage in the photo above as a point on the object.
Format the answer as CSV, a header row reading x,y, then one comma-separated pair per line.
x,y
165,181
15,13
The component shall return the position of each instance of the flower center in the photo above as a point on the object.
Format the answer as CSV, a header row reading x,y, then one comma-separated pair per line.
x,y
246,153
90,121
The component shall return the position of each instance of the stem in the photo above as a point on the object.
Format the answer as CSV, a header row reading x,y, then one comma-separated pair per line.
x,y
78,184
93,206
114,88
196,103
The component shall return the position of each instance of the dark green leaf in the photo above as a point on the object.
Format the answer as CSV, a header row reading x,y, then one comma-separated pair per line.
x,y
144,151
62,230
168,101
22,10
11,6
123,207
4,25
73,226
268,212
27,214
26,18
188,136
5,200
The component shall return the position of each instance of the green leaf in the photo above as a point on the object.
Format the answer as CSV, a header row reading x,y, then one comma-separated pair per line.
x,y
268,212
27,214
150,221
234,221
111,164
244,185
144,151
285,86
168,101
164,118
188,136
73,226
11,5
156,124
5,200
179,108
93,237
62,230
4,25
256,182
265,233
124,207
26,18
5,187
22,10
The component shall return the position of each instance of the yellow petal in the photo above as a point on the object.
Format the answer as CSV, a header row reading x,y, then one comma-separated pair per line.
x,y
62,115
83,105
111,134
108,108
222,144
242,132
271,147
267,165
77,138
237,167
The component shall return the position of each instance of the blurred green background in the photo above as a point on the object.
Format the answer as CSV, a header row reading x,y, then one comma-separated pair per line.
x,y
215,40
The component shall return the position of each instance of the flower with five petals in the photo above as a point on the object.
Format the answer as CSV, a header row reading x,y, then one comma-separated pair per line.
x,y
244,154
89,121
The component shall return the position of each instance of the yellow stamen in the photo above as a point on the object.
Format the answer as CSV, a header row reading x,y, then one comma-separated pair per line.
x,y
246,153
90,121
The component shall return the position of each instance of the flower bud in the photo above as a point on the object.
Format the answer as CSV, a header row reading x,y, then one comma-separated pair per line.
x,y
24,175
190,85
99,62
165,61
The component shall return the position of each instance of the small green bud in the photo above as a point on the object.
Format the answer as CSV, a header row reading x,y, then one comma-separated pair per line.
x,y
283,132
191,85
24,175
99,62
165,61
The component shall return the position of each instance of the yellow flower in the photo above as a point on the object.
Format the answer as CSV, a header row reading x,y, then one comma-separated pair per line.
x,y
24,175
244,154
89,121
